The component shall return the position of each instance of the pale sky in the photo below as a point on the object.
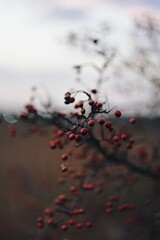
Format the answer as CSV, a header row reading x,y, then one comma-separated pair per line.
x,y
33,50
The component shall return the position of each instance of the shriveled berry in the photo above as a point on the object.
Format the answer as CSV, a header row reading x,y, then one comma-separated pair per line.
x,y
83,110
94,91
67,96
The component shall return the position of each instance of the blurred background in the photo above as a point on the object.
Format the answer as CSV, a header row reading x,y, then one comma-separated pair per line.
x,y
38,47
48,47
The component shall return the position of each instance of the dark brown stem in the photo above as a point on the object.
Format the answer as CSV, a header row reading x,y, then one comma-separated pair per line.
x,y
120,161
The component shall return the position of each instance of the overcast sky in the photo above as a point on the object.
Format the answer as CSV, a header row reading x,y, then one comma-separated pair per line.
x,y
32,46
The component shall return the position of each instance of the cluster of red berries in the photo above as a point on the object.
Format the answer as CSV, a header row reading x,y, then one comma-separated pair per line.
x,y
30,108
80,129
41,221
68,98
122,207
118,138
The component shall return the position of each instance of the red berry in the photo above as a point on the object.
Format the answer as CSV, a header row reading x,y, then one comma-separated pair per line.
x,y
108,124
71,221
60,180
62,197
132,120
78,137
40,225
98,105
81,210
48,212
73,188
67,96
94,91
114,198
101,121
50,221
115,138
122,207
76,105
23,115
131,141
12,131
60,133
83,110
117,113
129,146
109,204
80,104
40,220
88,224
118,144
64,227
57,141
64,157
91,102
68,133
91,123
87,186
71,136
63,167
84,131
79,225
72,99
109,210
123,136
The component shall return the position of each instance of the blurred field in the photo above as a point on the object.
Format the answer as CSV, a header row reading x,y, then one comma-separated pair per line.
x,y
28,172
